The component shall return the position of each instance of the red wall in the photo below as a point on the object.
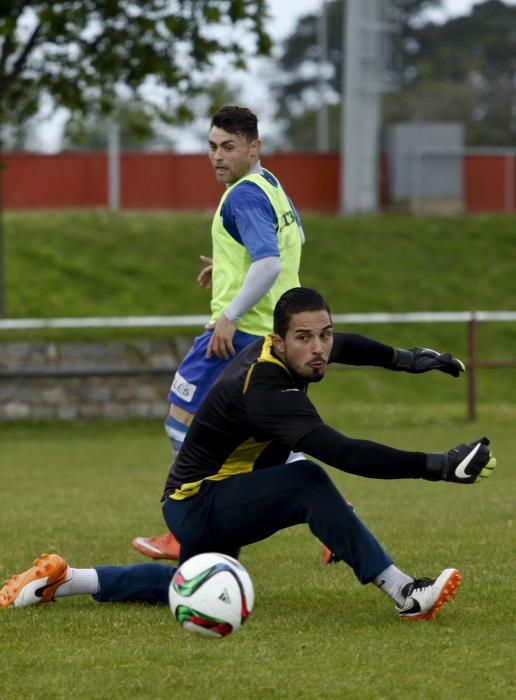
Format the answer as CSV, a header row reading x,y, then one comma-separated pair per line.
x,y
485,183
61,180
185,181
156,180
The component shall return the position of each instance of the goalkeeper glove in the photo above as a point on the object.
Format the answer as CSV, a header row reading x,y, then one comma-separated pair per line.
x,y
418,360
463,464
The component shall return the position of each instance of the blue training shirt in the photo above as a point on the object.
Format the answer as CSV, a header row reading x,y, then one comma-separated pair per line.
x,y
248,216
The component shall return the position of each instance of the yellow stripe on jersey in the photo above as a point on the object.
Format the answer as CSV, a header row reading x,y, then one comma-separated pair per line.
x,y
265,356
240,461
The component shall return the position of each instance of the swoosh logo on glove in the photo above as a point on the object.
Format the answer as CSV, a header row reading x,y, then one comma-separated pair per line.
x,y
460,470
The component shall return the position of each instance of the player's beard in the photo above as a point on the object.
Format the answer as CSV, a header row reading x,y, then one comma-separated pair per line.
x,y
305,372
317,375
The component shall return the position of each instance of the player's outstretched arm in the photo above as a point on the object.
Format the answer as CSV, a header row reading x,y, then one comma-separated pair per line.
x,y
418,360
463,464
356,349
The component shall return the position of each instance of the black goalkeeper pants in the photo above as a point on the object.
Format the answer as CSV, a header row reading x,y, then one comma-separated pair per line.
x,y
229,514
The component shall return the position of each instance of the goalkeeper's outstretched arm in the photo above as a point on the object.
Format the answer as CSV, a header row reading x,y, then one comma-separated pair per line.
x,y
464,464
356,349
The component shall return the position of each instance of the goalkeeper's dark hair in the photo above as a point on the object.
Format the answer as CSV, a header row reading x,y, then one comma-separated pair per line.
x,y
296,301
237,120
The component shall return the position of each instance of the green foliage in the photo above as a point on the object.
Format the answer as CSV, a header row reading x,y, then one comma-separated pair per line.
x,y
135,122
461,70
80,53
297,87
86,490
464,70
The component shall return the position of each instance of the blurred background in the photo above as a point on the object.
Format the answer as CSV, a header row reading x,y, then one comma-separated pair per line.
x,y
417,96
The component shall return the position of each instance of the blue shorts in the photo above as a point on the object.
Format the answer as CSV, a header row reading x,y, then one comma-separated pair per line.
x,y
196,373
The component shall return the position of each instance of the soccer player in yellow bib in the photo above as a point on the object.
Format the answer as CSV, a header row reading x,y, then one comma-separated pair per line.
x,y
256,251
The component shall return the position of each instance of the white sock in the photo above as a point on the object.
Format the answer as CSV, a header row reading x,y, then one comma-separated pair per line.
x,y
80,581
391,580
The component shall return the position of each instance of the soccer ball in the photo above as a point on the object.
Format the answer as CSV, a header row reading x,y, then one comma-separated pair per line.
x,y
211,594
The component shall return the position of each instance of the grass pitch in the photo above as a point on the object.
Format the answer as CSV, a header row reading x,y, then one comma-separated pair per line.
x,y
86,490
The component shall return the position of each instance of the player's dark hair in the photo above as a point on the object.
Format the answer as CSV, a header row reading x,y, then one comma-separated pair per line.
x,y
236,120
296,301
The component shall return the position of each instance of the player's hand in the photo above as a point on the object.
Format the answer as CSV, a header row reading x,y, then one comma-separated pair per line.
x,y
221,342
204,277
463,464
418,360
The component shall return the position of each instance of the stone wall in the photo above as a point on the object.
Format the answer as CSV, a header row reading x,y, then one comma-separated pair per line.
x,y
87,380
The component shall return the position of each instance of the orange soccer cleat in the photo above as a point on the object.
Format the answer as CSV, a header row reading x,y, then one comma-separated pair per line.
x,y
36,585
161,547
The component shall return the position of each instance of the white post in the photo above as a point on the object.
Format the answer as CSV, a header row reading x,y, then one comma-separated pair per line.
x,y
363,76
113,131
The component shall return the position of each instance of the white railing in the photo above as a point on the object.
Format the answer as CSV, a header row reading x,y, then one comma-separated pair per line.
x,y
471,318
10,324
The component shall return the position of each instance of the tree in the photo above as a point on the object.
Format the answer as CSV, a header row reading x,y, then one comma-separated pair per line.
x,y
86,54
465,70
297,88
462,70
137,125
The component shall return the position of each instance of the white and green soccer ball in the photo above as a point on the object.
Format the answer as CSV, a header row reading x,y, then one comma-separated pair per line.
x,y
211,594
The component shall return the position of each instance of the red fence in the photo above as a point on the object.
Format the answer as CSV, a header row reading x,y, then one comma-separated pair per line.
x,y
489,182
185,181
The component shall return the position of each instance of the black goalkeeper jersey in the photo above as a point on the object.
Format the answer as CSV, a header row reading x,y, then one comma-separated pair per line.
x,y
257,412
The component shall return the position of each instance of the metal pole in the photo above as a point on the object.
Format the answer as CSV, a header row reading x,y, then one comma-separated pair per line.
x,y
364,31
416,181
350,57
322,113
472,367
113,164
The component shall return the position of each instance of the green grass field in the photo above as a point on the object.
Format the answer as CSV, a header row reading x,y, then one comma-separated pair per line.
x,y
83,263
85,490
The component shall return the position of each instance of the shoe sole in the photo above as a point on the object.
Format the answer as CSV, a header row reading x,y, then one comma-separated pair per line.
x,y
448,590
153,552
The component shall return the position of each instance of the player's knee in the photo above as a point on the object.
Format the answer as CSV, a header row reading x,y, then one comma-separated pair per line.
x,y
311,473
